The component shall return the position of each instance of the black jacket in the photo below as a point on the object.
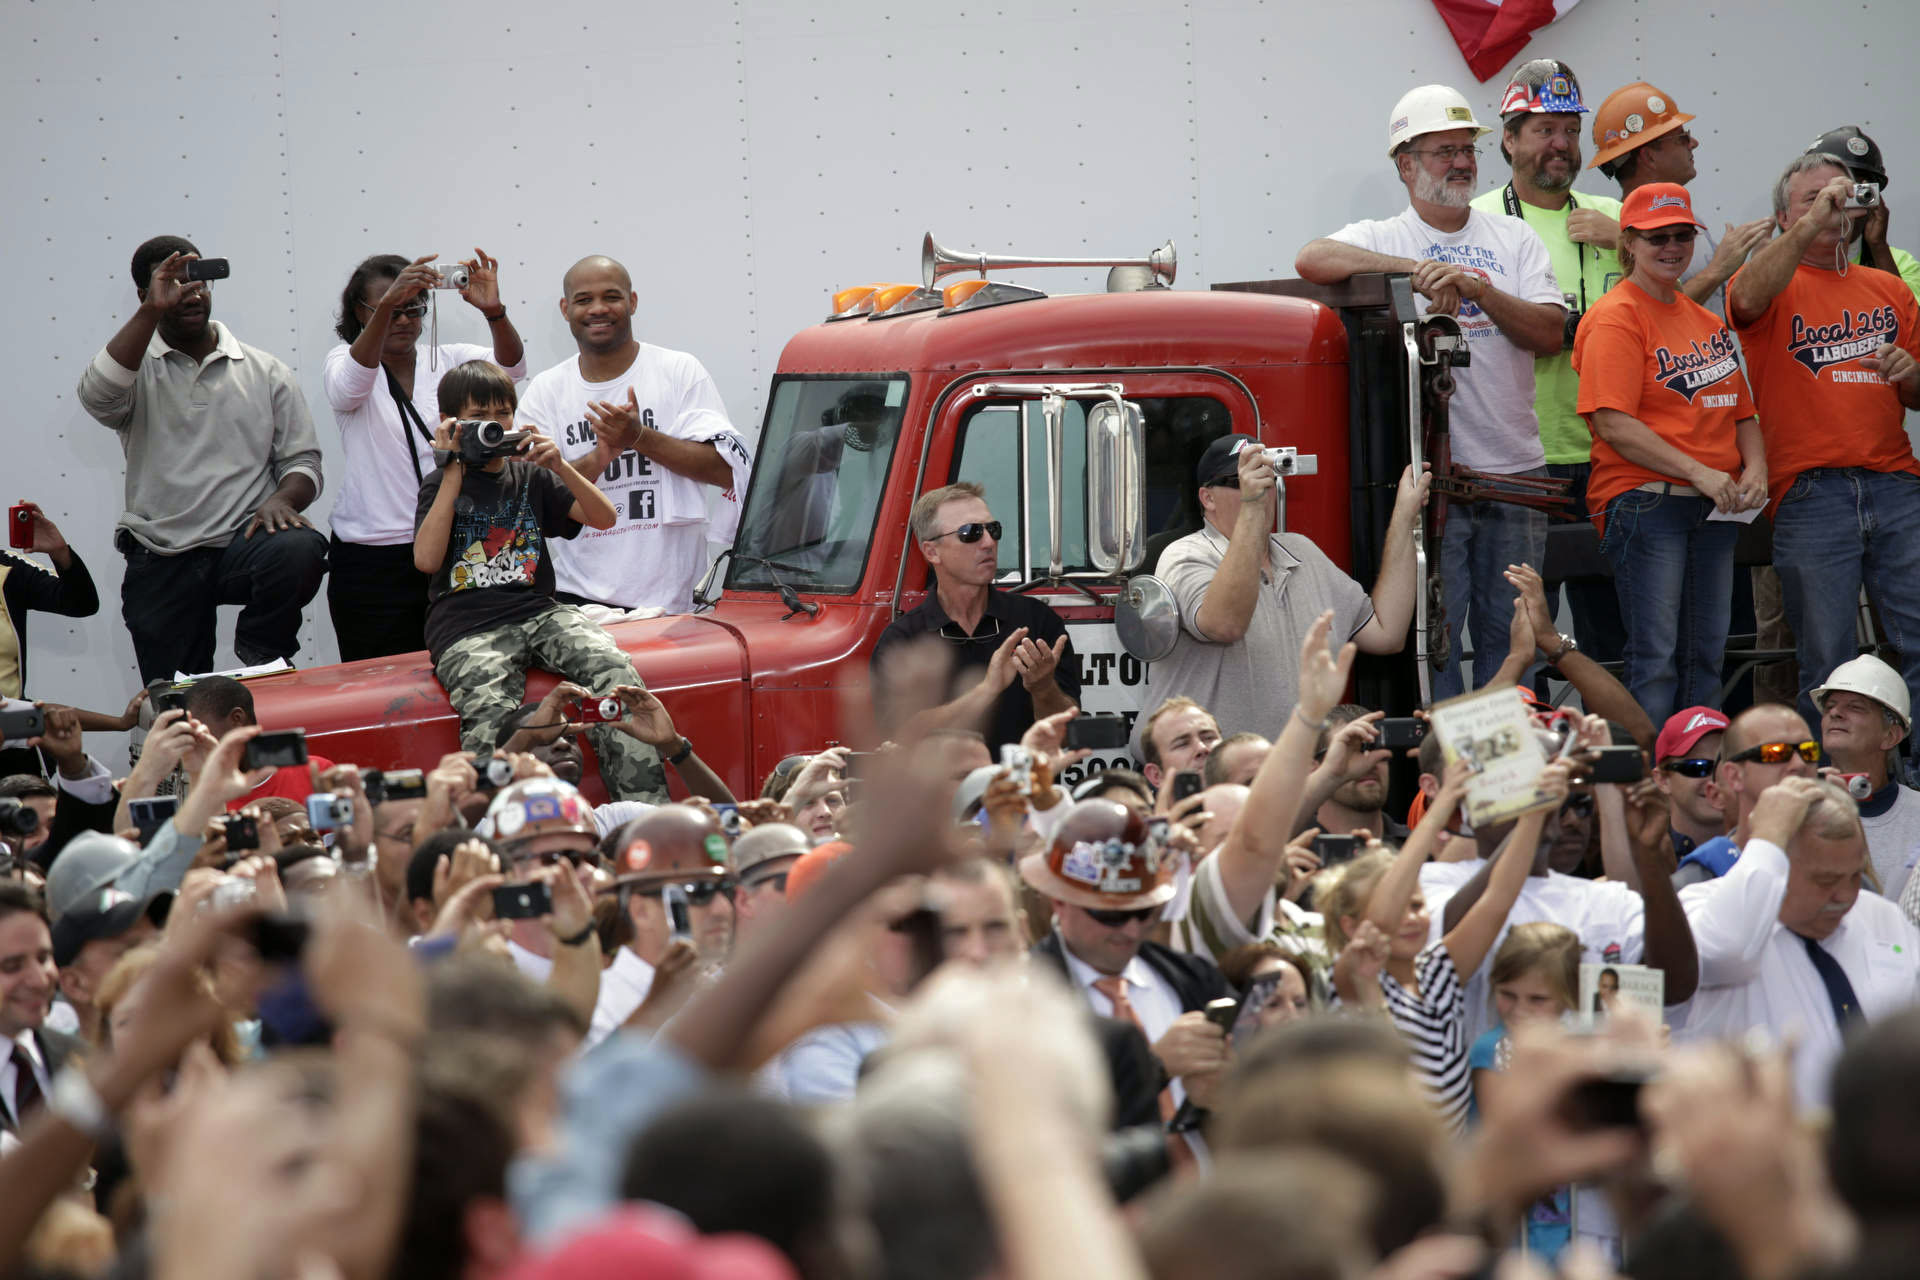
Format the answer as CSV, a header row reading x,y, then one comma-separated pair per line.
x,y
56,1049
25,584
1194,979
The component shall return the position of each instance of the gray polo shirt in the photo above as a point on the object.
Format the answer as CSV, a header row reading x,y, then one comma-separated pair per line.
x,y
1253,683
207,441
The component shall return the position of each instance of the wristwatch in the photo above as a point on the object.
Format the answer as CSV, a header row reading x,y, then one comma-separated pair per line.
x,y
1567,646
686,749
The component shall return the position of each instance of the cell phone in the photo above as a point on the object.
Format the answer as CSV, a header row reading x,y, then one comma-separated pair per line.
x,y
1618,764
1401,733
857,762
325,811
279,937
1187,783
1102,732
165,695
393,784
151,813
607,710
1221,1013
522,901
243,833
1608,1102
208,269
679,914
278,750
1332,850
20,528
20,723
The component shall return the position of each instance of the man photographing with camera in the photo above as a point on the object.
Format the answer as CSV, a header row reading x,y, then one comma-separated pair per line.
x,y
482,527
221,460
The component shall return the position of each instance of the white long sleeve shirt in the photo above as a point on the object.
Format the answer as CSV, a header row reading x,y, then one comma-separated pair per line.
x,y
1755,972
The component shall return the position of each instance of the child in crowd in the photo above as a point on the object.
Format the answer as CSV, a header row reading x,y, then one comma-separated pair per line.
x,y
481,534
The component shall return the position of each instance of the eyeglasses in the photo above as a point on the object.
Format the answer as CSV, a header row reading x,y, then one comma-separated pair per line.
x,y
1448,155
971,531
413,309
1680,136
1778,752
1114,919
1660,239
700,892
1697,767
954,632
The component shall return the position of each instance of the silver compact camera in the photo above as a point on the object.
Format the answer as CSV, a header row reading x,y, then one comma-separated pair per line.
x,y
453,277
1284,460
1866,195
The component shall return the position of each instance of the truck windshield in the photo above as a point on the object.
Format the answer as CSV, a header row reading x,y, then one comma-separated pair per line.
x,y
821,470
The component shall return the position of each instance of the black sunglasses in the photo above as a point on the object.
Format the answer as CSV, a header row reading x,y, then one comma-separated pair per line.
x,y
413,309
971,531
699,893
1114,919
989,630
1778,752
1696,767
1659,239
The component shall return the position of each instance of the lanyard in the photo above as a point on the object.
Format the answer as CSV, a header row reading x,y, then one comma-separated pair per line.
x,y
1512,203
408,413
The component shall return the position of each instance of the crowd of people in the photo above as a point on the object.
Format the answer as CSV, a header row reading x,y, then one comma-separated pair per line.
x,y
930,1010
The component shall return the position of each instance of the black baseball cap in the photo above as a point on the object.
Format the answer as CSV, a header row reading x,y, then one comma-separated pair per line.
x,y
107,913
1221,461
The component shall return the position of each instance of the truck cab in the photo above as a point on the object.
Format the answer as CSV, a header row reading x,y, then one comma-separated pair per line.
x,y
1082,416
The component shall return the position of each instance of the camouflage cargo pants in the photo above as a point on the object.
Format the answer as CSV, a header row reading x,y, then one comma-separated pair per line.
x,y
485,676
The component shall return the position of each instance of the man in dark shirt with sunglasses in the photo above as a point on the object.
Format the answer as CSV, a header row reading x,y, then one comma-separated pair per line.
x,y
1764,744
1013,662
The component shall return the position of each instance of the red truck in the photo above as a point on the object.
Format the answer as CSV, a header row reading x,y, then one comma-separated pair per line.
x,y
1084,417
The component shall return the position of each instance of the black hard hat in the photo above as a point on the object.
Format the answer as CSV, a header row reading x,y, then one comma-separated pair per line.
x,y
1853,151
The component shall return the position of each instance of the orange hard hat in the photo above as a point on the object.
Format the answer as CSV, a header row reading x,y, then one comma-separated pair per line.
x,y
1630,117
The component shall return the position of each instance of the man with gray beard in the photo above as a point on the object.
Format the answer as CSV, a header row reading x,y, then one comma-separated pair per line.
x,y
1494,275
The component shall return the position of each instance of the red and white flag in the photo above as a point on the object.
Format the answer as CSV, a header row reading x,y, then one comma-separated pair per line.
x,y
1490,32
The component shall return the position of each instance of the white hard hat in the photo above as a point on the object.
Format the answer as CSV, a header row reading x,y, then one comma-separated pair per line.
x,y
1432,108
1871,678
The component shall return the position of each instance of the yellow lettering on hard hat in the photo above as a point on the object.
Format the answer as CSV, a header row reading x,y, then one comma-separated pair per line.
x,y
1459,113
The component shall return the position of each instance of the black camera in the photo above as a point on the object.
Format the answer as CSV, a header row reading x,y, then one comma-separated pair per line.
x,y
478,441
243,833
1574,314
164,695
393,784
492,772
17,819
21,723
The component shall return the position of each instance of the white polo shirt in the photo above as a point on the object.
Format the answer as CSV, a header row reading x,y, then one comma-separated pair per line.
x,y
1755,972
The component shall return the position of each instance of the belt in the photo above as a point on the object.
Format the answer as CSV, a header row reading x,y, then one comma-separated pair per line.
x,y
1669,487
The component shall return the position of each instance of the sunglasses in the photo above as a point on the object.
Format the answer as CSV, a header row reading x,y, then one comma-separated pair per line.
x,y
1693,768
989,630
971,531
1660,239
1114,919
1778,753
699,893
550,858
412,309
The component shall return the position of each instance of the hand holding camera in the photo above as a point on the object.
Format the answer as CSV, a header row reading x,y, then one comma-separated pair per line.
x,y
645,718
413,281
481,286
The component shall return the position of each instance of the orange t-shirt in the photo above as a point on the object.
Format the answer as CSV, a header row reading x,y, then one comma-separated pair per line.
x,y
1818,406
1672,365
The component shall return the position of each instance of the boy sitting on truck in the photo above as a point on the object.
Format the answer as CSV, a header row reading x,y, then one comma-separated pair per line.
x,y
480,531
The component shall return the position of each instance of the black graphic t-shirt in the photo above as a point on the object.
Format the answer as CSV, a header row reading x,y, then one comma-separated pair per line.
x,y
497,569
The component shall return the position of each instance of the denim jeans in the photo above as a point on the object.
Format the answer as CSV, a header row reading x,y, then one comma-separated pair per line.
x,y
1834,531
1673,569
1480,541
1594,603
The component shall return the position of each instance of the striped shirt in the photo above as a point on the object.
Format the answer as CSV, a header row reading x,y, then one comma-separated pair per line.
x,y
1433,1021
1209,928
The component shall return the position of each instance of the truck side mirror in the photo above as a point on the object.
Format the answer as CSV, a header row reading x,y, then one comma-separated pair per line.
x,y
1116,468
1147,618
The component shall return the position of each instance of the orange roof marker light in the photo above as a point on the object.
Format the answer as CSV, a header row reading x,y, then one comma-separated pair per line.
x,y
855,301
903,300
955,294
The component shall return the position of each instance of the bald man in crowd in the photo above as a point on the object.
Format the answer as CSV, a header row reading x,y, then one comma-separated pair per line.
x,y
647,425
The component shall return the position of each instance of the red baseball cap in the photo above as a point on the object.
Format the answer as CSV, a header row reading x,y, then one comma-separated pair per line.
x,y
643,1240
1685,728
813,864
1658,204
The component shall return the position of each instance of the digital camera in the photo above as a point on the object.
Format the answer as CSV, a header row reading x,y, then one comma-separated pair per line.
x,y
607,710
326,811
453,277
1284,460
1866,195
479,441
1572,326
492,772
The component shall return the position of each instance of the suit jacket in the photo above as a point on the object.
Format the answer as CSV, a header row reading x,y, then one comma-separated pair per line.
x,y
1194,979
56,1050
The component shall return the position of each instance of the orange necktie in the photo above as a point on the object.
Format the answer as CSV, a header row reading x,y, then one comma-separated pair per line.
x,y
1114,988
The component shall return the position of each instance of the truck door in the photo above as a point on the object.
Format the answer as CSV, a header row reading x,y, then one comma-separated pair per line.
x,y
1181,412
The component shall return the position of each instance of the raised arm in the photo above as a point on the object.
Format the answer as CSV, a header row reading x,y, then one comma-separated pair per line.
x,y
1469,941
1251,855
1771,267
1600,693
1732,920
1394,587
1227,607
1390,897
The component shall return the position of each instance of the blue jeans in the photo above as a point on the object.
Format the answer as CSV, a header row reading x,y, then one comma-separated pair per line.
x,y
1673,570
1834,531
1594,603
1480,541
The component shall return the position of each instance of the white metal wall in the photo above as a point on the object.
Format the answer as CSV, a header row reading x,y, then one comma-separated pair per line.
x,y
746,157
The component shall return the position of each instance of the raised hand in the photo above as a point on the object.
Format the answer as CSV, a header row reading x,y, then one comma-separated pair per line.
x,y
483,281
1323,677
617,425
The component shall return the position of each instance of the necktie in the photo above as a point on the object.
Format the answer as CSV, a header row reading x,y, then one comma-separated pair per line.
x,y
1846,1006
1115,989
26,1086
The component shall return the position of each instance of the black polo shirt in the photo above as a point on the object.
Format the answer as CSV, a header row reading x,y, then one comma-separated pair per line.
x,y
1005,614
